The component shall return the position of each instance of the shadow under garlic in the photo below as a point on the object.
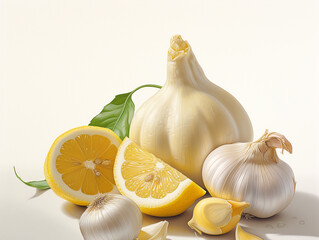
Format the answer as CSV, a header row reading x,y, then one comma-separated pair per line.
x,y
300,218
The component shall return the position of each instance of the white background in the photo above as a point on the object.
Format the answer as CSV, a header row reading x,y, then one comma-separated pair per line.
x,y
62,61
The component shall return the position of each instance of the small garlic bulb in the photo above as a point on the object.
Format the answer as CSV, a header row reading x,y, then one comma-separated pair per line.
x,y
215,216
252,172
111,217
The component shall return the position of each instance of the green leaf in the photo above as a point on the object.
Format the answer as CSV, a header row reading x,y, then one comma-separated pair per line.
x,y
117,115
36,184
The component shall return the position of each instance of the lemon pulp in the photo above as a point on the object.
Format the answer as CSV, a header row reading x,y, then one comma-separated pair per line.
x,y
156,187
80,163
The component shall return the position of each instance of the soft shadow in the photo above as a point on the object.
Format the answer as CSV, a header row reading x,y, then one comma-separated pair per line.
x,y
300,218
178,225
72,210
37,193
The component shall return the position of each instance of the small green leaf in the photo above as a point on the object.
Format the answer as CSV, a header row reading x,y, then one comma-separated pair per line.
x,y
36,184
117,115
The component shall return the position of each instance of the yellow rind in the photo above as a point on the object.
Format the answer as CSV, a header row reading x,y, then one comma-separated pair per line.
x,y
50,180
176,207
179,205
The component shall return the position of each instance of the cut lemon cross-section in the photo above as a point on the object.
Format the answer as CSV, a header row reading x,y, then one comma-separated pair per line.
x,y
80,164
157,188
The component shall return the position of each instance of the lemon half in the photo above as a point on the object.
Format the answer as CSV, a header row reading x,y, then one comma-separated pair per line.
x,y
156,187
80,163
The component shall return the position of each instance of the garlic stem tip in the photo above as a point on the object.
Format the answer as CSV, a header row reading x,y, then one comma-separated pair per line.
x,y
178,47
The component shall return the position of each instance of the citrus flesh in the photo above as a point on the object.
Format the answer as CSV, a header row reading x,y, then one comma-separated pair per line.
x,y
80,163
156,187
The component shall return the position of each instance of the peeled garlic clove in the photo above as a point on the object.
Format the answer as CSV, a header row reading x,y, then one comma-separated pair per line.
x,y
111,217
216,216
156,231
242,235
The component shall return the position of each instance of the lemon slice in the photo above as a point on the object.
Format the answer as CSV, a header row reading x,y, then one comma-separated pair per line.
x,y
80,163
157,188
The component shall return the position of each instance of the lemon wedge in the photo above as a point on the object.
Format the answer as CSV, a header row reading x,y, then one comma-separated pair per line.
x,y
157,188
80,162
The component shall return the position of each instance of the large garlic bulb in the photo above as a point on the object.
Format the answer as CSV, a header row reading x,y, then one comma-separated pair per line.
x,y
252,172
189,117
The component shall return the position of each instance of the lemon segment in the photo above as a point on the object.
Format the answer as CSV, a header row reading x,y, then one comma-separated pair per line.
x,y
80,164
156,187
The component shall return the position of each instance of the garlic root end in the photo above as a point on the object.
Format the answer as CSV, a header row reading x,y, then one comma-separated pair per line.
x,y
192,224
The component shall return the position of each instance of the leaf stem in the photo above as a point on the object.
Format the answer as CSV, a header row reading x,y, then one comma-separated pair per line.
x,y
43,185
145,85
130,95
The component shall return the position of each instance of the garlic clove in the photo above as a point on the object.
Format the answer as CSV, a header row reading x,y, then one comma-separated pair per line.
x,y
243,235
216,216
222,214
156,231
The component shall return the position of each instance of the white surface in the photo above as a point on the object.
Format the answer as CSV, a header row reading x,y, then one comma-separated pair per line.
x,y
62,61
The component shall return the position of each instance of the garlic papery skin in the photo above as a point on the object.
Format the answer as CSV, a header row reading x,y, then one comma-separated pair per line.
x,y
243,235
156,231
111,217
252,172
215,216
189,116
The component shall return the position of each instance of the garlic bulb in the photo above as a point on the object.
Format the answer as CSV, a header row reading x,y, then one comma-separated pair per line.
x,y
156,231
111,217
189,117
242,235
252,172
216,216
